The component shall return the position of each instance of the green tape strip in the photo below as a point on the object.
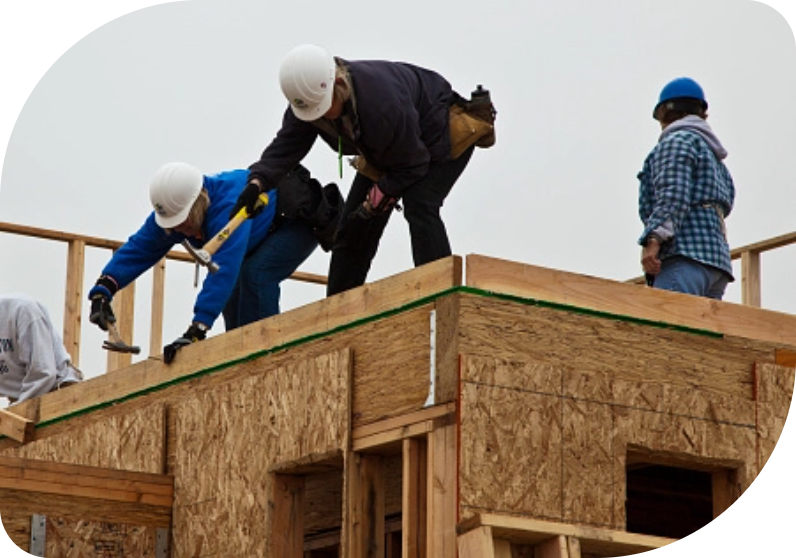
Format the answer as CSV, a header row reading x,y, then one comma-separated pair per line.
x,y
373,318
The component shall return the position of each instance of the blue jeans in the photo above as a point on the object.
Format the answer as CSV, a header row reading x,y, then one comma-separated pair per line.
x,y
684,275
256,292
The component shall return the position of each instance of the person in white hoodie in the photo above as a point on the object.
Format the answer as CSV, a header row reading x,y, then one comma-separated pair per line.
x,y
33,359
685,194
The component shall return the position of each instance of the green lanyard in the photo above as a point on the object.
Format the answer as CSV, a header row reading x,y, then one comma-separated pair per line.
x,y
340,155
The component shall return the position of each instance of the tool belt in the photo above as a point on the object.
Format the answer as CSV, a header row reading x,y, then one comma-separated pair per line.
x,y
470,122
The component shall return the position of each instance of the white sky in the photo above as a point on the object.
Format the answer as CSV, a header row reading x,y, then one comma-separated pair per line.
x,y
94,101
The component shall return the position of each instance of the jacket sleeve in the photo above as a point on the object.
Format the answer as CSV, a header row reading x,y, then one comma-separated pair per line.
x,y
142,250
291,144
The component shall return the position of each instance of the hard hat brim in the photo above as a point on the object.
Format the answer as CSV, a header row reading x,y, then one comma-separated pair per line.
x,y
308,114
176,219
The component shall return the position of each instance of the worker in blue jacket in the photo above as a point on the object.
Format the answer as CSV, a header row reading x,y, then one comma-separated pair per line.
x,y
394,117
252,262
685,194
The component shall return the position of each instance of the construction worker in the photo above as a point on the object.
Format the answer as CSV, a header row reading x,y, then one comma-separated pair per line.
x,y
685,194
395,117
253,261
33,359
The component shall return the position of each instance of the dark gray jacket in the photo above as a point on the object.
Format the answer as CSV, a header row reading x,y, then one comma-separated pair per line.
x,y
397,119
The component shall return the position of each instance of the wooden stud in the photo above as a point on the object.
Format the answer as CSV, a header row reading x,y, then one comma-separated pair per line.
x,y
750,278
573,545
158,294
502,548
287,526
365,503
73,300
476,543
724,491
442,490
415,456
124,309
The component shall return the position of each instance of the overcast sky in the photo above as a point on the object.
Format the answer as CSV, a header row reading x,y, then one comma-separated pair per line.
x,y
95,99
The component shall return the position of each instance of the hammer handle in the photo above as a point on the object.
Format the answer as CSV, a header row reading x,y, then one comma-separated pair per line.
x,y
212,245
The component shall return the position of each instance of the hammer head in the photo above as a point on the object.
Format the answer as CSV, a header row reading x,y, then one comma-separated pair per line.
x,y
202,257
120,347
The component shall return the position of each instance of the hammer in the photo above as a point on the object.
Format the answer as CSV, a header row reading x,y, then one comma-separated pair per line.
x,y
204,255
117,345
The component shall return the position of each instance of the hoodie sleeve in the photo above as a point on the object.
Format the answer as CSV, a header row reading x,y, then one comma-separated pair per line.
x,y
142,250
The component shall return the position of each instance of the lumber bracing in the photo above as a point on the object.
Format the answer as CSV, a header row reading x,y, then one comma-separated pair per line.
x,y
473,408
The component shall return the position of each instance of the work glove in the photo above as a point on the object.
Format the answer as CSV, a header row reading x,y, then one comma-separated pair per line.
x,y
248,199
376,203
197,332
100,296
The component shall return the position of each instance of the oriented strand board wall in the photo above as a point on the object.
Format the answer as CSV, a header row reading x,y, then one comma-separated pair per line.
x,y
131,441
551,400
774,397
226,439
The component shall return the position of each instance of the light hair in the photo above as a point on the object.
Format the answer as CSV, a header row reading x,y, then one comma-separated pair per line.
x,y
342,84
197,214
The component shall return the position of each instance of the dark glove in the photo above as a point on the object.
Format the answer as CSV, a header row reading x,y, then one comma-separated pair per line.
x,y
197,332
248,199
100,296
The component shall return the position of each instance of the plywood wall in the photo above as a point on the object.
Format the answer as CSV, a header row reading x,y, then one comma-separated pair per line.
x,y
553,401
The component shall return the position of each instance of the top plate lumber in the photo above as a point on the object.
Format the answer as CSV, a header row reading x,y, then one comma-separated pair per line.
x,y
16,427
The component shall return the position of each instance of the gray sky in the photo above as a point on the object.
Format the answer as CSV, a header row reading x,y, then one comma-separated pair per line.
x,y
93,109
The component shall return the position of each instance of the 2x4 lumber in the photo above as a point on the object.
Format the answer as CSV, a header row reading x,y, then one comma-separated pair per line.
x,y
724,491
414,497
476,543
16,427
158,295
396,429
750,279
442,489
287,529
85,482
124,309
316,319
623,299
521,530
73,299
365,501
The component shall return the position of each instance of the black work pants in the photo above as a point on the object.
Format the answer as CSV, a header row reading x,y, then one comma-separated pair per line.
x,y
352,257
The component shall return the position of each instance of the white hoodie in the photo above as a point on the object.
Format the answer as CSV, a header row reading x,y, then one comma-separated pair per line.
x,y
33,360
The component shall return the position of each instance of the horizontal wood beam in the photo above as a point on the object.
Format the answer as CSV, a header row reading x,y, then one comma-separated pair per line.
x,y
16,427
634,301
596,540
85,482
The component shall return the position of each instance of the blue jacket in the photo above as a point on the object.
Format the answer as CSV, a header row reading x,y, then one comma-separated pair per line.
x,y
398,121
150,243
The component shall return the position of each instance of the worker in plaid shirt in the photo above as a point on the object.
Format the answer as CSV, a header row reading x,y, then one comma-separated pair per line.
x,y
685,193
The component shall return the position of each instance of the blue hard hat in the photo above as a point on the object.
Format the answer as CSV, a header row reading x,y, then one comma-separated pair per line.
x,y
681,88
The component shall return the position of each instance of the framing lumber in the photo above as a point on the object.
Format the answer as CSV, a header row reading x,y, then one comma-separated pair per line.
x,y
124,308
312,321
86,482
73,298
443,489
414,498
391,431
366,506
623,299
16,427
287,530
522,530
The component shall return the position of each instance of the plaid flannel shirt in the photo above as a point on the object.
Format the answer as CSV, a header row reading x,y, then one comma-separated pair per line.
x,y
683,184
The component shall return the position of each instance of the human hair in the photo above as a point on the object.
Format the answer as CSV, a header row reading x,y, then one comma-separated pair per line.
x,y
342,83
675,109
197,214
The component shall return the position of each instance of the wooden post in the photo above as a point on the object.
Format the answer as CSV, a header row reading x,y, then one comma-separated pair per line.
x,y
287,519
442,489
414,498
124,309
724,491
365,502
476,543
557,547
750,278
158,293
75,267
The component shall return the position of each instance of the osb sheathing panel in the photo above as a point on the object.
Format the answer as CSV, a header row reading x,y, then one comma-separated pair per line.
x,y
227,438
131,441
774,397
693,390
70,538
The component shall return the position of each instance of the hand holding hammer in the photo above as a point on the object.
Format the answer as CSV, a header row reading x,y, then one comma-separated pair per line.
x,y
204,256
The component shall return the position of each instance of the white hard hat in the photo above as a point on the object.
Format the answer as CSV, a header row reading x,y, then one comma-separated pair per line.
x,y
307,80
172,192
